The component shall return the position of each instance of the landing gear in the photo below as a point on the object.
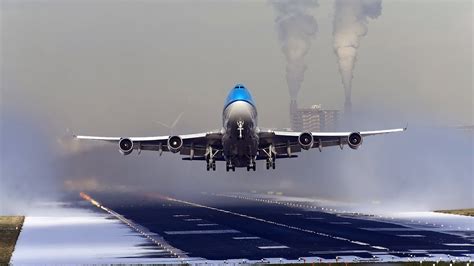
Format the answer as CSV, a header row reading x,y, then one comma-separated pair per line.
x,y
211,163
270,163
229,166
252,165
271,157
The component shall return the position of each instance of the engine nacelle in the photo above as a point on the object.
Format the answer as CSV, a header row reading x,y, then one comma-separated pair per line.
x,y
354,140
175,143
306,140
125,146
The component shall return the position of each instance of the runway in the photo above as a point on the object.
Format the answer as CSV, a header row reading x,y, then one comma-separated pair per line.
x,y
246,226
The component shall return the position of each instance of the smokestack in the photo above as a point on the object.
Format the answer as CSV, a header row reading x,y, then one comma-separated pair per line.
x,y
349,26
295,29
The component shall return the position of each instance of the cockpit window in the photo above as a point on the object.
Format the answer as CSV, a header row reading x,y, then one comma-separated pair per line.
x,y
239,86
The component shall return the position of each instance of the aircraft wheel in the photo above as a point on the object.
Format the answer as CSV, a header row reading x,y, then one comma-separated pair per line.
x,y
213,166
268,165
273,165
207,167
233,168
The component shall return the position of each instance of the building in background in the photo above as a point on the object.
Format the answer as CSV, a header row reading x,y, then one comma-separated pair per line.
x,y
313,119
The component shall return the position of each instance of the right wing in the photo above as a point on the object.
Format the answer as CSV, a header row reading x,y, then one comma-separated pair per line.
x,y
287,142
192,144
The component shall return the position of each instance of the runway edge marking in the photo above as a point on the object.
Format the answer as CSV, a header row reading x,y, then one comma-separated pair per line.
x,y
160,242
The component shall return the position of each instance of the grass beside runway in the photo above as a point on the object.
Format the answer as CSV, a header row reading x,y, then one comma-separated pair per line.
x,y
465,212
10,227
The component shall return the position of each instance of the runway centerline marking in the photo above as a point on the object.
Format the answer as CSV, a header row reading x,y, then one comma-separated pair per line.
x,y
201,232
272,247
392,229
181,215
207,224
245,237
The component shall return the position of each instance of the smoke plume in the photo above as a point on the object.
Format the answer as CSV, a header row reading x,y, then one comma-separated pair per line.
x,y
295,29
350,25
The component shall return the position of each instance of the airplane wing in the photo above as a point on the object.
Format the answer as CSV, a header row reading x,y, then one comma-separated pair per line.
x,y
288,142
190,144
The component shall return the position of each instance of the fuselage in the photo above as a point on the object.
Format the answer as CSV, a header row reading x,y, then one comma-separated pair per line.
x,y
239,118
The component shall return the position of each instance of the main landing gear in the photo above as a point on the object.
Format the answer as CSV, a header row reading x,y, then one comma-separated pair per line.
x,y
270,163
211,163
229,166
271,157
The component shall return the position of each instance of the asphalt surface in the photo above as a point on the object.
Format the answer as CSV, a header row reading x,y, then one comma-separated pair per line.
x,y
219,227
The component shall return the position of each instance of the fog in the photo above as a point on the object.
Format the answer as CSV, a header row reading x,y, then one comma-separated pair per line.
x,y
107,68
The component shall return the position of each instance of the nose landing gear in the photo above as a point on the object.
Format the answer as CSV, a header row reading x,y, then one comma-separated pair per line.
x,y
252,166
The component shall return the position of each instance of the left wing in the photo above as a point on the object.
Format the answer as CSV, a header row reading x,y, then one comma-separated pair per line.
x,y
190,144
288,142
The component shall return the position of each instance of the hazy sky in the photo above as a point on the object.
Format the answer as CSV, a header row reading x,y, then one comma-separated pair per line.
x,y
117,67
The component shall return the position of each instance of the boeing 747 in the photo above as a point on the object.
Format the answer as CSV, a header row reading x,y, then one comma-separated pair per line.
x,y
240,142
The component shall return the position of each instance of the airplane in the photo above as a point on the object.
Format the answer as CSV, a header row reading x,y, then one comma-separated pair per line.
x,y
240,142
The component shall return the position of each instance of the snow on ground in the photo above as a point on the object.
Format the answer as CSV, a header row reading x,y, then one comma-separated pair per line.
x,y
79,236
441,220
417,219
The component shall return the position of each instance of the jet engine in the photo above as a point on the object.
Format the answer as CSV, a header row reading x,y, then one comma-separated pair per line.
x,y
354,140
125,146
306,140
175,143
